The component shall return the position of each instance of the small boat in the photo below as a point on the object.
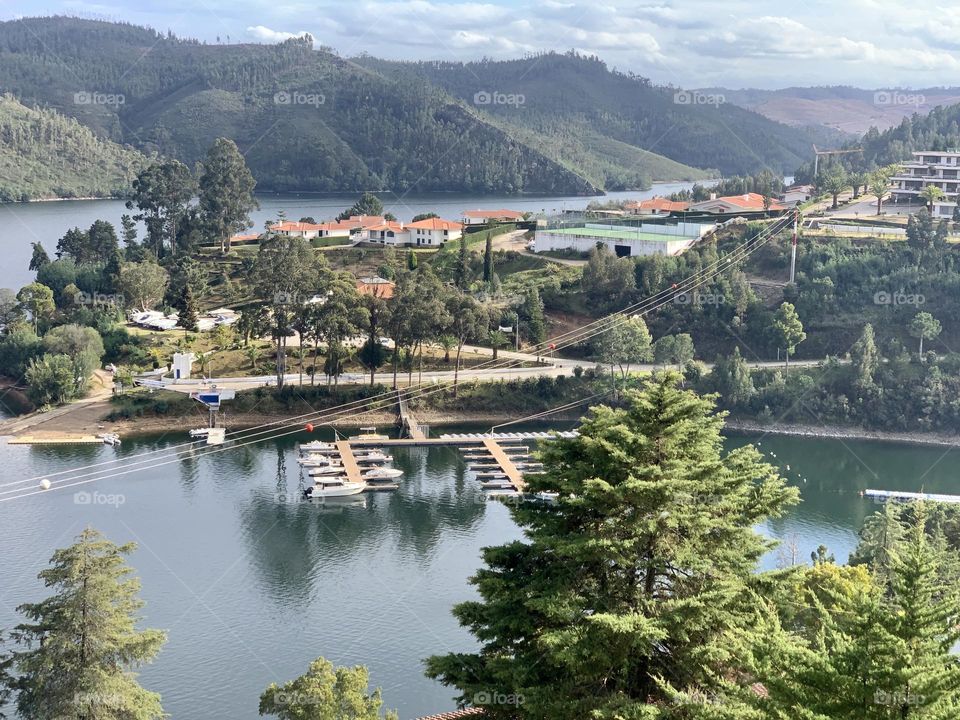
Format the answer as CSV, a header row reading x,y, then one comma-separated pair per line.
x,y
316,461
110,438
369,433
332,488
382,473
214,435
317,446
373,458
497,485
326,470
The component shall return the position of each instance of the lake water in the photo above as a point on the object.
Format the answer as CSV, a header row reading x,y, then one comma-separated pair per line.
x,y
252,586
46,222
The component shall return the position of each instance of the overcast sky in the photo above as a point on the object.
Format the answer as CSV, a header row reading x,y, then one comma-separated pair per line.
x,y
693,43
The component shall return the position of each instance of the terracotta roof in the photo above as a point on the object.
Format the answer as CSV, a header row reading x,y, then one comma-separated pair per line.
x,y
749,201
291,226
658,203
456,714
365,221
435,224
507,214
388,225
241,238
377,286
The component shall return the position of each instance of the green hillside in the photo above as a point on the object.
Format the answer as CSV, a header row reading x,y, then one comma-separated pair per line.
x,y
564,94
309,120
46,155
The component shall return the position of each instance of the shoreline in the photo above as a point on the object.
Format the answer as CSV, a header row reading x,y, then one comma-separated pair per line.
x,y
838,432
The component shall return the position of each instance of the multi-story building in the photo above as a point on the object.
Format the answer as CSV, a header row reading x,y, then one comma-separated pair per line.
x,y
930,167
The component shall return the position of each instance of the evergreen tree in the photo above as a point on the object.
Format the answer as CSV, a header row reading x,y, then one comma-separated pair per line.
x,y
531,315
82,643
411,260
488,259
732,380
882,652
880,534
864,358
368,204
188,309
129,230
630,592
461,272
39,258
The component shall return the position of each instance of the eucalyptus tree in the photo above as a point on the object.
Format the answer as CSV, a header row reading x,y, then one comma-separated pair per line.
x,y
162,192
226,192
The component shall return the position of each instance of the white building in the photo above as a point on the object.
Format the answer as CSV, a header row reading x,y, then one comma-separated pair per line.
x,y
930,167
434,232
482,217
623,241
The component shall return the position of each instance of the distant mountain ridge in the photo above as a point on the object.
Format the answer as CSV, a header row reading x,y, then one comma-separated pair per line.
x,y
849,110
308,120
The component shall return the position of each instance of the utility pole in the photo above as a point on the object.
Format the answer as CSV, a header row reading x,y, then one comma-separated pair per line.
x,y
793,246
517,332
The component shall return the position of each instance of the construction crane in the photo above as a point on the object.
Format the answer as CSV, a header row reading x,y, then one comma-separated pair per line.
x,y
817,153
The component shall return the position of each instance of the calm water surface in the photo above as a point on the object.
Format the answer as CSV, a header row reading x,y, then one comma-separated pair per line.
x,y
252,586
46,222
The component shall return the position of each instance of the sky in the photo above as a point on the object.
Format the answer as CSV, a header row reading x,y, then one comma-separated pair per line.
x,y
691,43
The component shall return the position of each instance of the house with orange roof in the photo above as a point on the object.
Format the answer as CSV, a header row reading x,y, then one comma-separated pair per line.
x,y
733,204
376,286
388,232
482,217
655,206
434,232
295,229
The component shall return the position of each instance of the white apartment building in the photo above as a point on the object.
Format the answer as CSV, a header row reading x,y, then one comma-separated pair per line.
x,y
930,167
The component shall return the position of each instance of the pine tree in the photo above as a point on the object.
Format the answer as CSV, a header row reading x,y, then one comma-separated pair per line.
x,y
881,532
488,259
188,309
82,641
39,258
531,314
630,593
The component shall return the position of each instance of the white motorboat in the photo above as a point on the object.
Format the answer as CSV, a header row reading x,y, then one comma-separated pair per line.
x,y
326,470
316,460
374,457
333,487
382,473
110,438
369,433
317,446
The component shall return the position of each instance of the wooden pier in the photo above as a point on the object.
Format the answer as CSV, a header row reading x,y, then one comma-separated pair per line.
x,y
407,420
349,462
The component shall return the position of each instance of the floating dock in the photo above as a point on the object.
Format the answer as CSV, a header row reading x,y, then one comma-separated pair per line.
x,y
56,439
910,496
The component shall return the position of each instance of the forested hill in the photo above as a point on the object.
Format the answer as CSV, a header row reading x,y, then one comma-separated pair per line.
x,y
309,120
580,106
46,155
939,130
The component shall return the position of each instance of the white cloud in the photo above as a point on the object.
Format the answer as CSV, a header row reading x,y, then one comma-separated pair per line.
x,y
264,34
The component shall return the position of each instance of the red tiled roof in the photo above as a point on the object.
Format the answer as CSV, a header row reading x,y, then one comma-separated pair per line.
x,y
749,201
388,225
435,224
291,226
657,203
498,214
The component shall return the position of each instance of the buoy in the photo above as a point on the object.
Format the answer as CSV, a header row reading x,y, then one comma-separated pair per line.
x,y
309,427
44,484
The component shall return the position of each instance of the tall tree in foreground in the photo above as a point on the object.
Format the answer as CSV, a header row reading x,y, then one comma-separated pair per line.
x,y
226,192
882,652
924,326
82,643
632,591
325,693
788,329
